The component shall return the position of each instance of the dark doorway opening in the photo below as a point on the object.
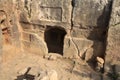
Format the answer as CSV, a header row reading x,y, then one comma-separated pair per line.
x,y
54,37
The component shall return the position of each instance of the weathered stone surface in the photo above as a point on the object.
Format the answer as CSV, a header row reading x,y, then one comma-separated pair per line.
x,y
100,63
47,12
23,71
1,41
100,60
99,48
52,10
82,45
92,34
89,54
115,18
47,75
8,19
113,40
93,14
69,48
88,49
83,48
35,44
85,24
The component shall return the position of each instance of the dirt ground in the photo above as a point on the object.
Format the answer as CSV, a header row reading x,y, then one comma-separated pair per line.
x,y
13,61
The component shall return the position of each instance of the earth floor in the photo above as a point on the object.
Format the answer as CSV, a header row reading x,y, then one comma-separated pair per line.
x,y
13,61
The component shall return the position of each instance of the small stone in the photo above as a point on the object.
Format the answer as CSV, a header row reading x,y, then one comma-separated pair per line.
x,y
100,60
52,57
46,56
100,63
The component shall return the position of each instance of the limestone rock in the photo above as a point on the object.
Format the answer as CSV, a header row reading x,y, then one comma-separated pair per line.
x,y
113,39
89,54
100,60
36,44
82,45
97,49
90,14
49,75
69,48
100,64
115,18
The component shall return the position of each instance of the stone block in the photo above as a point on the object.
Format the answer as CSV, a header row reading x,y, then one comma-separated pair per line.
x,y
115,18
70,49
52,10
92,34
94,14
82,45
113,45
89,54
50,13
26,26
76,46
97,49
36,44
15,39
113,39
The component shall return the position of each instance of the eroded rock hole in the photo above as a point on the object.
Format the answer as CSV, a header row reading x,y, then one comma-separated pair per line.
x,y
54,37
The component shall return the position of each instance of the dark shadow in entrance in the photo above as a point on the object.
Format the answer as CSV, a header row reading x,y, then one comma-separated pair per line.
x,y
54,37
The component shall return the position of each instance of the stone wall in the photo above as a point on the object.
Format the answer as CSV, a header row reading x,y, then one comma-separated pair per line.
x,y
84,26
112,57
8,23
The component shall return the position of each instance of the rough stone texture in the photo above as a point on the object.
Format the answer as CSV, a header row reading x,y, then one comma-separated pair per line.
x,y
90,21
100,64
78,21
0,41
77,28
113,41
47,12
93,14
70,49
34,43
8,19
